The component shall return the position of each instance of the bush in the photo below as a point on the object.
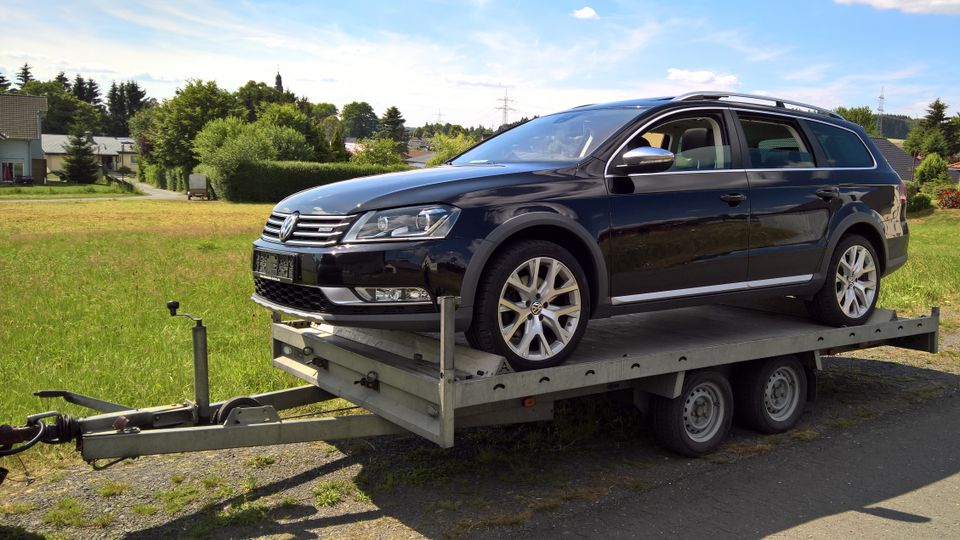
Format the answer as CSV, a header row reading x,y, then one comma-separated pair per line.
x,y
949,198
918,203
912,189
377,152
447,147
270,181
933,168
934,189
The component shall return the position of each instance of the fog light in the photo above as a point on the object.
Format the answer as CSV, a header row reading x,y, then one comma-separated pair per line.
x,y
393,294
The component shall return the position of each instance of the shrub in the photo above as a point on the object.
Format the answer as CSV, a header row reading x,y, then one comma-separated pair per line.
x,y
918,203
270,181
949,198
377,152
933,168
934,189
447,147
912,189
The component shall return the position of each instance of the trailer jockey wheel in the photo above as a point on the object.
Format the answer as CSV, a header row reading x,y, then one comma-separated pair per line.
x,y
697,421
224,411
771,394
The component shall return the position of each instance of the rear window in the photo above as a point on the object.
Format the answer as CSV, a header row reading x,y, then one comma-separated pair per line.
x,y
843,148
775,144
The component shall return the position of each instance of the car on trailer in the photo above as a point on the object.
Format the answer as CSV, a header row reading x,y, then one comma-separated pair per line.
x,y
596,211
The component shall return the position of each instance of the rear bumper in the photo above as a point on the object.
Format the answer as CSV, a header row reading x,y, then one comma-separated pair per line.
x,y
897,251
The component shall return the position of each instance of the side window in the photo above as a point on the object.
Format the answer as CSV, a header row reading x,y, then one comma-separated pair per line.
x,y
698,142
775,143
842,147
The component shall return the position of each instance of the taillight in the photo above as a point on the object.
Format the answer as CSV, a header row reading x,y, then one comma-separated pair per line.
x,y
903,192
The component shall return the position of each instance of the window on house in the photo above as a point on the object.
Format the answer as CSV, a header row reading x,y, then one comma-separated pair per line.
x,y
10,170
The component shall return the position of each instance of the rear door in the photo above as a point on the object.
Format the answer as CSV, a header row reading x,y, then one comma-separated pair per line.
x,y
792,200
682,232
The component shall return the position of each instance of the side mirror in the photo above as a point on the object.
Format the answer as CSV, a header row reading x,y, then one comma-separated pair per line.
x,y
646,159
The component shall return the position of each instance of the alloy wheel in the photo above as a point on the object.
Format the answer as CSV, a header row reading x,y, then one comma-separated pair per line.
x,y
539,309
856,281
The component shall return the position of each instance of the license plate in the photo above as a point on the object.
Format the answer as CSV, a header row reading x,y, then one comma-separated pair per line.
x,y
277,266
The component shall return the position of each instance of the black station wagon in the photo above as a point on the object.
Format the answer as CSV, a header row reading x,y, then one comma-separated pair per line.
x,y
598,211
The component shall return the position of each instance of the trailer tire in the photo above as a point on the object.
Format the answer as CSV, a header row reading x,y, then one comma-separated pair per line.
x,y
698,420
771,394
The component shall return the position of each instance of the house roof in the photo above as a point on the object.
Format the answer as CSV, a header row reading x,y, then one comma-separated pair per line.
x,y
19,116
901,161
954,165
106,146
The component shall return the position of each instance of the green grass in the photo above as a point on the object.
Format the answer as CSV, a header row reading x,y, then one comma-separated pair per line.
x,y
112,489
931,276
69,512
64,192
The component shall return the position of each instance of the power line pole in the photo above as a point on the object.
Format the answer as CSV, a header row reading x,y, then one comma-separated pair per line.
x,y
504,107
880,114
439,117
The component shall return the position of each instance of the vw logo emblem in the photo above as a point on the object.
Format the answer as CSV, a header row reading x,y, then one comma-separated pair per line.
x,y
288,226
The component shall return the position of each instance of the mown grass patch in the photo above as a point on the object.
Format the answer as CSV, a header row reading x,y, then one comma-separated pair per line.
x,y
65,192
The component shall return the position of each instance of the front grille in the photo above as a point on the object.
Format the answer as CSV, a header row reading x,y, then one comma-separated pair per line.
x,y
294,296
315,230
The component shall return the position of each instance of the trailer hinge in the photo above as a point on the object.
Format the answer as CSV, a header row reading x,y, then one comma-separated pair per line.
x,y
371,381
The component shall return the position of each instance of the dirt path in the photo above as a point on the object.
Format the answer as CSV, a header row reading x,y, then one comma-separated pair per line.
x,y
596,471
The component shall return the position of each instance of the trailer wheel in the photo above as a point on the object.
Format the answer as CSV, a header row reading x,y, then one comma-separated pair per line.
x,y
697,421
771,394
224,411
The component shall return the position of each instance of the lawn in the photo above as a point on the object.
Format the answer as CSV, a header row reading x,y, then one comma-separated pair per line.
x,y
85,286
64,192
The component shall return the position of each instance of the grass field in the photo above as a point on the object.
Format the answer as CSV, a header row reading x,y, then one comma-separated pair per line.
x,y
82,306
64,192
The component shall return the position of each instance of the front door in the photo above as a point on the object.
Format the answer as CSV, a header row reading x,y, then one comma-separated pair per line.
x,y
682,232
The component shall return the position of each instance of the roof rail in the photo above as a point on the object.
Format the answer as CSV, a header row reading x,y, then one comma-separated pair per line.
x,y
779,102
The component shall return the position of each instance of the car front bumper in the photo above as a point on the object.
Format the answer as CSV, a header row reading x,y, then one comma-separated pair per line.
x,y
324,277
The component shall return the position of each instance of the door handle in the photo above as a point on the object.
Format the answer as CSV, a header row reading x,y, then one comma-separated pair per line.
x,y
828,193
733,199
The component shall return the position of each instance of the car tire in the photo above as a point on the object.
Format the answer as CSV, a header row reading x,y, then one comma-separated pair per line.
x,y
770,395
530,322
852,285
697,421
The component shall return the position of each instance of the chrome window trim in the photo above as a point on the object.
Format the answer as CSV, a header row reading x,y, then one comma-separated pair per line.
x,y
606,169
711,289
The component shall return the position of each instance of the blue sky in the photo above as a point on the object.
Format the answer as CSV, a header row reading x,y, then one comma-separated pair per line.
x,y
458,57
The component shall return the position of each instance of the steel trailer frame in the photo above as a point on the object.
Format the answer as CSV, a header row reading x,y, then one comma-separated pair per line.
x,y
433,386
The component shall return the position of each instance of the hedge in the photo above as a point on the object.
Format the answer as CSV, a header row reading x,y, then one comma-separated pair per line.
x,y
271,181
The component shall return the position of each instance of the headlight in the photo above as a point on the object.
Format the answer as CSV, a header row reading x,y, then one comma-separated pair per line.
x,y
412,223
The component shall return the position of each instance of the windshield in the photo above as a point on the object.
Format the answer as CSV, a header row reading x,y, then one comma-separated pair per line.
x,y
564,137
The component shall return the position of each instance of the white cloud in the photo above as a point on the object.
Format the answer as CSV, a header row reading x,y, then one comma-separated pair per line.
x,y
945,7
702,78
586,12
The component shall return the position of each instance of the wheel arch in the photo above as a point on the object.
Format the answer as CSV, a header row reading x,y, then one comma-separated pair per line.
x,y
542,226
866,224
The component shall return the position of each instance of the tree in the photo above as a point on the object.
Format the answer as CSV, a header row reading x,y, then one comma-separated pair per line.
x,y
933,168
322,148
63,80
143,129
936,114
934,142
92,93
338,150
116,111
284,114
358,119
134,97
80,163
184,115
254,94
4,84
24,75
65,113
391,127
379,151
862,116
323,110
79,88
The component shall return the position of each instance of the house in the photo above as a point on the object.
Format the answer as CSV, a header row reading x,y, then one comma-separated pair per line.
x,y
21,156
901,161
112,152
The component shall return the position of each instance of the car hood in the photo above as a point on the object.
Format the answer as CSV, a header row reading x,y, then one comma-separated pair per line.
x,y
445,184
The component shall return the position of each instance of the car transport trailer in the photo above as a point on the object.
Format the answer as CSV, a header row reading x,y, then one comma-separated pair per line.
x,y
684,366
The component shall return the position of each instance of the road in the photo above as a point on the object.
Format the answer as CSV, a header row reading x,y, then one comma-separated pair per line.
x,y
894,477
